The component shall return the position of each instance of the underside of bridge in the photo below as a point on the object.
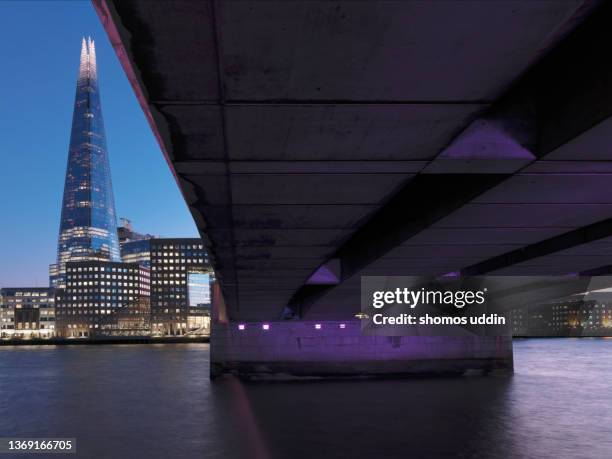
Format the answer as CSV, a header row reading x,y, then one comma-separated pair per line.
x,y
316,142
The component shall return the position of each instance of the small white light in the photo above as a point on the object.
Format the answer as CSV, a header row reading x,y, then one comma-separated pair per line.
x,y
342,325
266,326
241,327
318,326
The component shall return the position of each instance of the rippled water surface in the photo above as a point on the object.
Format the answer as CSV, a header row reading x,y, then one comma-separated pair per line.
x,y
156,401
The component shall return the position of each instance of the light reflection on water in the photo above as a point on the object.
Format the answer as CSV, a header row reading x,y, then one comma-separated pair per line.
x,y
156,401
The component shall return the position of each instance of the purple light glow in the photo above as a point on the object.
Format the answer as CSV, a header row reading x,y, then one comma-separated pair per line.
x,y
489,139
318,326
325,275
342,325
241,327
266,326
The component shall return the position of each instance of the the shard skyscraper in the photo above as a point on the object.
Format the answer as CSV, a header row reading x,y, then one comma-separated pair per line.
x,y
88,225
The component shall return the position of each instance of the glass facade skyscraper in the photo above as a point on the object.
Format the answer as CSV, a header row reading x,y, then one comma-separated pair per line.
x,y
88,225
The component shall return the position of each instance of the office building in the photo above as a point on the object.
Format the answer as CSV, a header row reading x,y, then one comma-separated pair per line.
x,y
135,247
571,317
100,297
180,286
137,251
27,312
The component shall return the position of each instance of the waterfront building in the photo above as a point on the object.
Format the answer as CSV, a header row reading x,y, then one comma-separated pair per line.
x,y
27,312
180,286
181,276
101,296
88,224
518,321
572,317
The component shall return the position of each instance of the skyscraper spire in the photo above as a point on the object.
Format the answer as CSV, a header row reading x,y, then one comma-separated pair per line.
x,y
92,60
84,64
88,226
87,67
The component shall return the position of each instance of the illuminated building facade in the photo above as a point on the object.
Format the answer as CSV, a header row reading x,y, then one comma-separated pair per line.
x,y
99,295
180,286
88,225
137,251
135,247
573,317
27,312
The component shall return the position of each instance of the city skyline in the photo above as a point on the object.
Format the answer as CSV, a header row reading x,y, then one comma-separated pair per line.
x,y
42,95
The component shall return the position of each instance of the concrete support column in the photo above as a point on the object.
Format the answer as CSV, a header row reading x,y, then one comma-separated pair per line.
x,y
337,349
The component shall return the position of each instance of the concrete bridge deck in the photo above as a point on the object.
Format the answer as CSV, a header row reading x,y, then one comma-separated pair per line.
x,y
317,142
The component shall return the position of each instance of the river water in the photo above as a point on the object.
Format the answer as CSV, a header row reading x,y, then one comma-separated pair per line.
x,y
155,401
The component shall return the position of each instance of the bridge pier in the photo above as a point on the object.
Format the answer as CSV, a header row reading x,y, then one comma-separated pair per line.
x,y
338,349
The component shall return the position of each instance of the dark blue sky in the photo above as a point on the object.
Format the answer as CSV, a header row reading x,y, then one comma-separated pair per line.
x,y
39,50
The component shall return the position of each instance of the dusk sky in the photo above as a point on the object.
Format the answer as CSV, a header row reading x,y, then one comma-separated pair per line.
x,y
39,46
